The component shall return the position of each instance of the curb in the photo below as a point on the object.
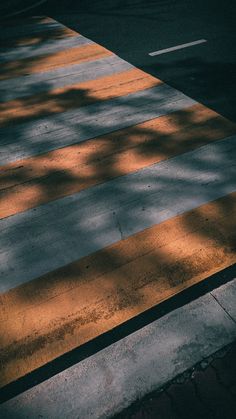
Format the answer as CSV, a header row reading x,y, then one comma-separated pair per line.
x,y
109,381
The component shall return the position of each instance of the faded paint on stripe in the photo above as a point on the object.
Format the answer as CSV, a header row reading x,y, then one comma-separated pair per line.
x,y
43,239
103,384
32,182
25,86
48,46
75,126
51,61
56,313
74,96
67,157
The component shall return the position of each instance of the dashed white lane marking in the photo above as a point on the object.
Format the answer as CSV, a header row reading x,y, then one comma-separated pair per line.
x,y
189,44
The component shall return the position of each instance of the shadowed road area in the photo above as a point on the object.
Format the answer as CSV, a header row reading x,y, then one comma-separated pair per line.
x,y
134,28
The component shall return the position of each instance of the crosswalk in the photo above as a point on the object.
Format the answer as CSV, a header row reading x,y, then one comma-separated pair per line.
x,y
116,192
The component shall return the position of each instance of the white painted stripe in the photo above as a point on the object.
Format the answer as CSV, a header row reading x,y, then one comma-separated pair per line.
x,y
42,239
177,47
107,382
26,86
87,122
43,48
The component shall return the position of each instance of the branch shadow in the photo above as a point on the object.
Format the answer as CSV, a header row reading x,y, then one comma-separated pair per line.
x,y
32,248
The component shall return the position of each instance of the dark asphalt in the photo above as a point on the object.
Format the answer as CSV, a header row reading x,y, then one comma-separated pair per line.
x,y
10,8
133,28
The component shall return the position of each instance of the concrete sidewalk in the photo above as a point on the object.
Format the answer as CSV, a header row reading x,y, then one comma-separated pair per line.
x,y
207,391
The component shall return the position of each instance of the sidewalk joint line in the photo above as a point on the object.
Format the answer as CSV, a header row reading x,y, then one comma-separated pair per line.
x,y
223,308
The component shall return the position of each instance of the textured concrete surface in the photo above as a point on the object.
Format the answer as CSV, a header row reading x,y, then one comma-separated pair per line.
x,y
48,47
164,190
25,86
117,284
206,391
90,121
109,381
226,297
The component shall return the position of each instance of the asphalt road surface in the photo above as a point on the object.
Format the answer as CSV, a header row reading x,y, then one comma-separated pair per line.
x,y
134,28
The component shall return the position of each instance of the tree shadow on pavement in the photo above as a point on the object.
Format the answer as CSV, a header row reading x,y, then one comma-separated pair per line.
x,y
38,180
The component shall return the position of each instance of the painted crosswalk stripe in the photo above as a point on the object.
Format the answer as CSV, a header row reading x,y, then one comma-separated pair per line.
x,y
50,316
106,213
42,63
110,203
88,122
9,54
194,117
75,96
75,168
26,86
113,378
